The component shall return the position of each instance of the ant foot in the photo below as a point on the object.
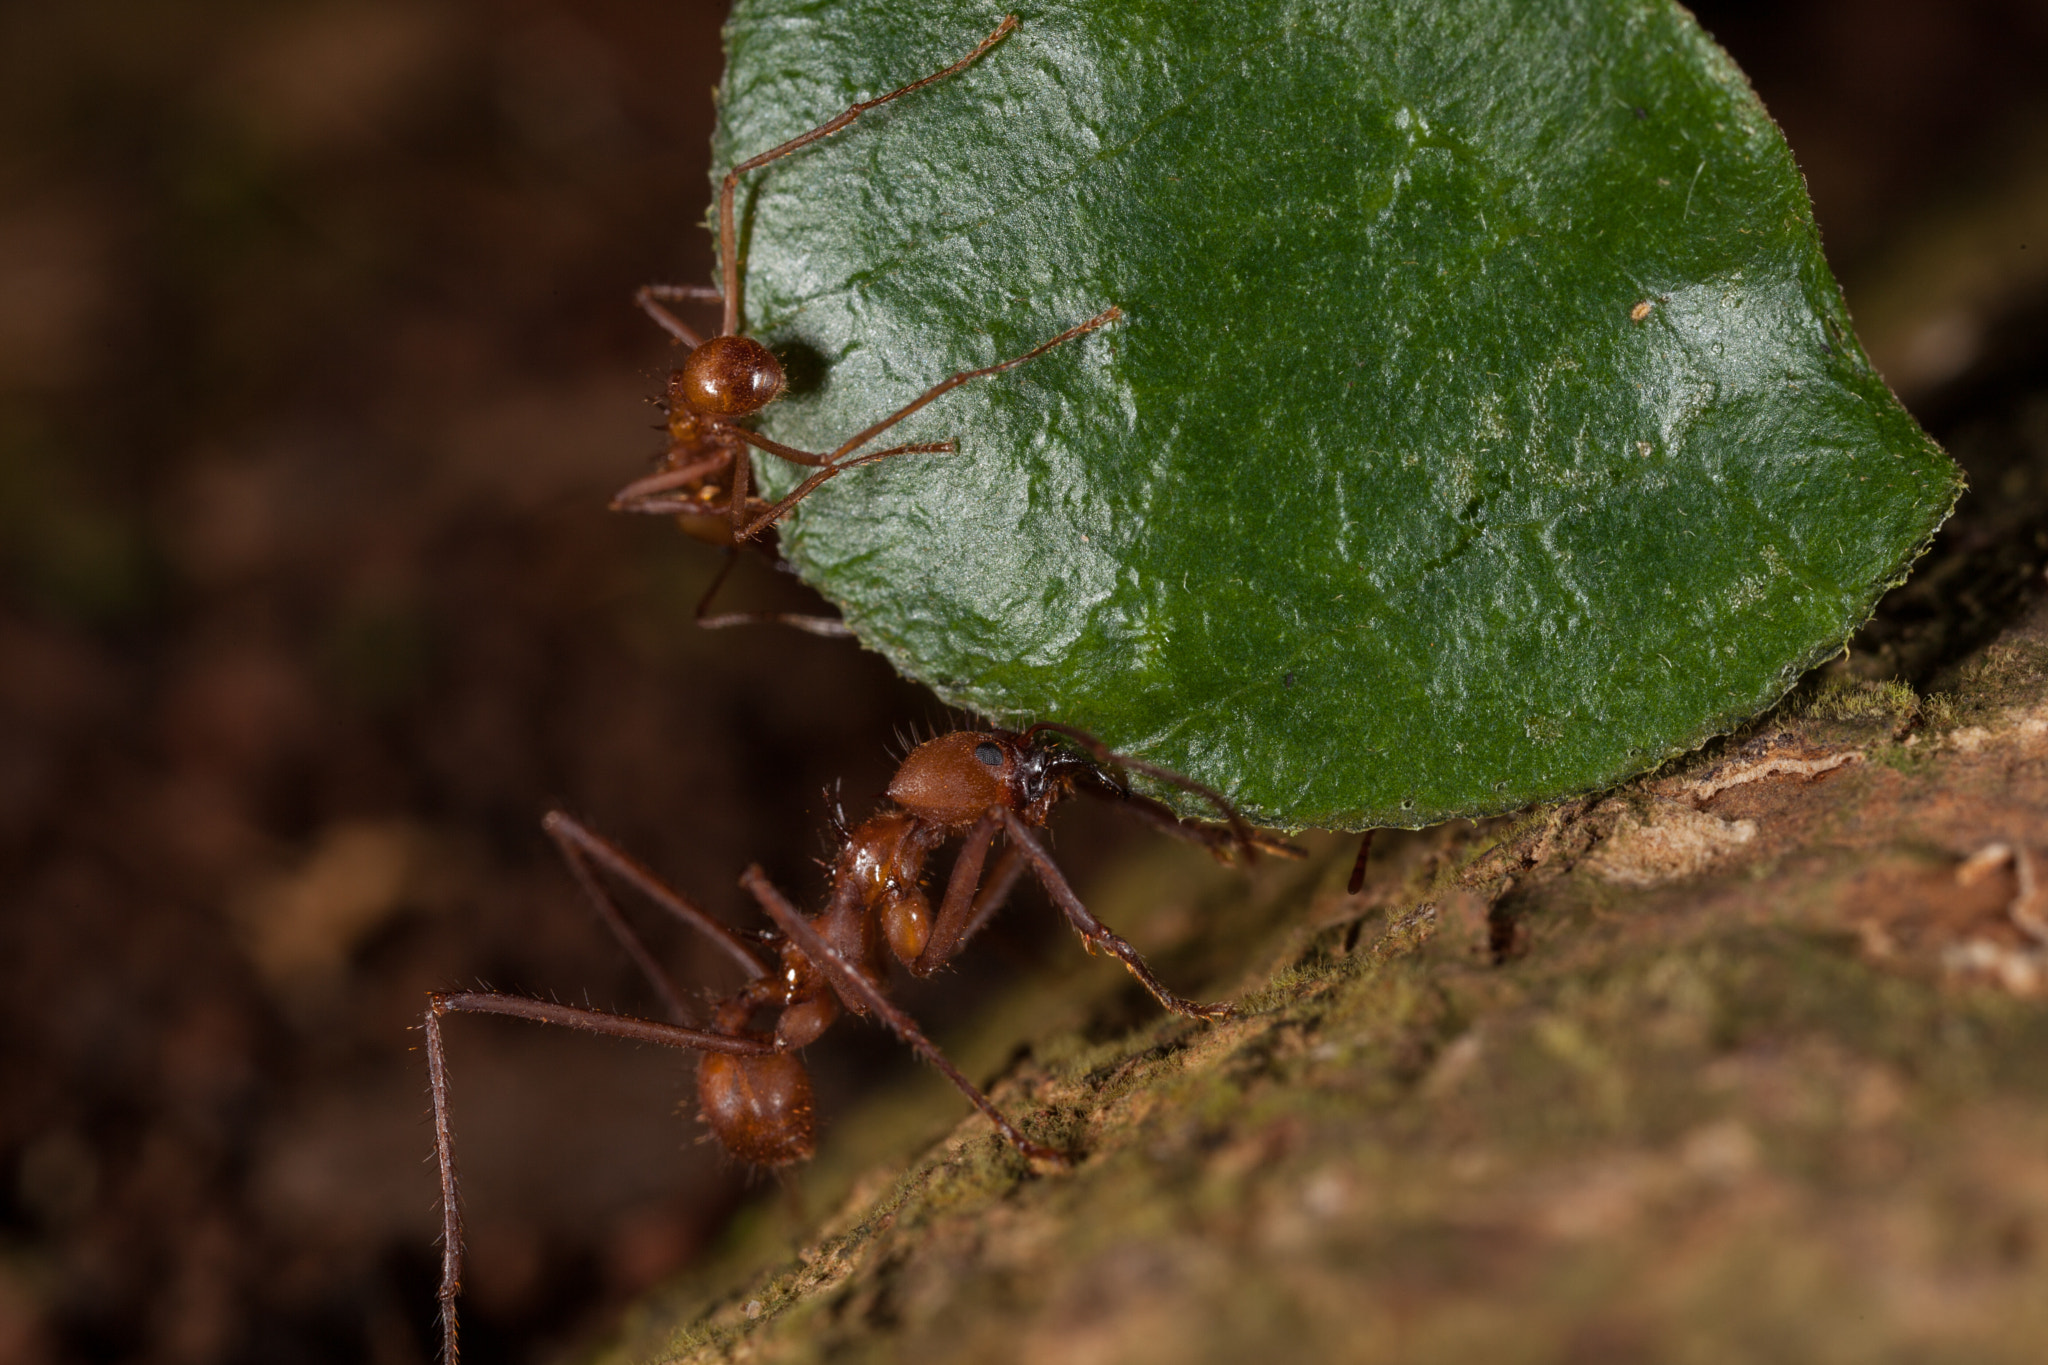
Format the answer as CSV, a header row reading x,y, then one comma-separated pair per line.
x,y
1045,1159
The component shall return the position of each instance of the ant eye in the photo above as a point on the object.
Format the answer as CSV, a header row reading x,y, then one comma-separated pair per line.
x,y
989,754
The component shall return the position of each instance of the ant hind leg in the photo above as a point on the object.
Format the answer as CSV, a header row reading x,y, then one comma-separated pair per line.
x,y
540,1011
827,627
581,848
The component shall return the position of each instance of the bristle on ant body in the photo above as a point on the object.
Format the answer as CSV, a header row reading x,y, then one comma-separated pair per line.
x,y
974,785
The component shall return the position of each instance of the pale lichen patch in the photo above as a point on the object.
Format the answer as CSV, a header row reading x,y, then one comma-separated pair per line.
x,y
1670,841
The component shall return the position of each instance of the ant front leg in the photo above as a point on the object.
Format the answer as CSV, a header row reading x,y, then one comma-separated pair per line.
x,y
544,1012
863,995
728,237
971,899
1093,931
830,471
650,297
1225,842
836,462
644,495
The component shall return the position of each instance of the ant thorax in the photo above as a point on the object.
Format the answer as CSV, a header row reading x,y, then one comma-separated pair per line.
x,y
884,860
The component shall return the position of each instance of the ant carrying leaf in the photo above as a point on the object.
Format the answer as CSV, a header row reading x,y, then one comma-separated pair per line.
x,y
752,1089
706,472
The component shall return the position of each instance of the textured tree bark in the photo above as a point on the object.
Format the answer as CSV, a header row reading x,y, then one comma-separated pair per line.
x,y
1746,1060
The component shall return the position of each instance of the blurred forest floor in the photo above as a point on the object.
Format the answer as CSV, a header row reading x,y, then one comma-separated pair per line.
x,y
316,368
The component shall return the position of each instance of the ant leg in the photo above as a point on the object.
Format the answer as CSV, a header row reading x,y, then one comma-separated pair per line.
x,y
541,1011
807,458
728,239
736,503
955,920
829,627
1357,882
972,900
1242,834
995,891
954,381
1220,840
864,994
831,464
804,489
451,1197
1093,931
647,299
578,843
638,496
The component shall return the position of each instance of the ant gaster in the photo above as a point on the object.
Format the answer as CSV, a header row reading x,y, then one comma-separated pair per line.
x,y
752,1089
705,473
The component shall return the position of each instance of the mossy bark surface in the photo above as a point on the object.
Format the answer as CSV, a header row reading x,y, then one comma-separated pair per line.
x,y
1746,1060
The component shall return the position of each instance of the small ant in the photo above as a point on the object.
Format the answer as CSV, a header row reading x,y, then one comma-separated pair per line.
x,y
731,377
752,1089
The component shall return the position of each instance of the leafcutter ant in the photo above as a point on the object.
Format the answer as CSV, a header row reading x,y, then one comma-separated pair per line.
x,y
705,474
803,973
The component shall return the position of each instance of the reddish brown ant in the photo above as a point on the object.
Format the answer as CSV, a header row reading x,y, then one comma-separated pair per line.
x,y
705,473
753,1092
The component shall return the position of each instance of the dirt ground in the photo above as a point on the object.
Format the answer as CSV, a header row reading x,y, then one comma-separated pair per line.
x,y
317,365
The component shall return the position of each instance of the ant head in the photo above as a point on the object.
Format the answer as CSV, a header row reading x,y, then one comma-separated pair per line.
x,y
759,1108
956,779
726,377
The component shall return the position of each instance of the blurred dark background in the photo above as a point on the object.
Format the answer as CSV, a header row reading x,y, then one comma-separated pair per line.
x,y
316,367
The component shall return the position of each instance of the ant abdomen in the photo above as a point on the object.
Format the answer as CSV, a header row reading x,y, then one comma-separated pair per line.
x,y
760,1108
728,376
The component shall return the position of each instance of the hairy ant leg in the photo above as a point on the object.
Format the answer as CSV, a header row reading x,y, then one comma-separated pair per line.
x,y
972,898
578,844
835,462
539,1011
1233,837
1357,882
642,495
865,997
963,910
770,1070
832,471
728,236
827,627
650,297
1220,840
995,891
1094,933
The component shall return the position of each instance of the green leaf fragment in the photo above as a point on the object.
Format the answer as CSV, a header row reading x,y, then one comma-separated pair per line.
x,y
1485,425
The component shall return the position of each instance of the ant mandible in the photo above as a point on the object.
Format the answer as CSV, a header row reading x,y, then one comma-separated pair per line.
x,y
752,1090
730,377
